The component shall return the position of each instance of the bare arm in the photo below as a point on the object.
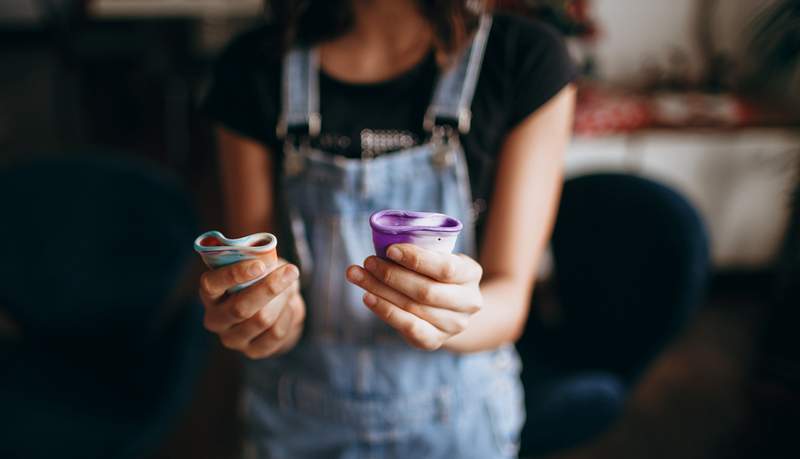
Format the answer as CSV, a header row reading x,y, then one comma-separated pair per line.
x,y
266,318
246,169
523,209
437,300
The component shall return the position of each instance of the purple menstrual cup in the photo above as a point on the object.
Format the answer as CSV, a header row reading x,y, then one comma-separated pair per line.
x,y
437,232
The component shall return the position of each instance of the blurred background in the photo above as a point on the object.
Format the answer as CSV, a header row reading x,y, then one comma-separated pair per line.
x,y
702,96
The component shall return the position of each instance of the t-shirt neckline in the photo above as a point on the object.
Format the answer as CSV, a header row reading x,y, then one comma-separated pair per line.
x,y
404,79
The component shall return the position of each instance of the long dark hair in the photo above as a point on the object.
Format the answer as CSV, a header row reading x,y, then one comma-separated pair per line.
x,y
309,22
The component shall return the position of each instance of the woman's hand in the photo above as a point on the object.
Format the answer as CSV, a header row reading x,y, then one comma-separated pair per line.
x,y
262,320
427,296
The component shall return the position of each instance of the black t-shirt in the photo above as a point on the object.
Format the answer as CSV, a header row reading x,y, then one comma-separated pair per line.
x,y
524,65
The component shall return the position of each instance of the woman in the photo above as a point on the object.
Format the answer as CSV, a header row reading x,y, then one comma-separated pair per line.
x,y
338,109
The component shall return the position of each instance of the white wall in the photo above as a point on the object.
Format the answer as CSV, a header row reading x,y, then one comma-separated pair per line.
x,y
636,31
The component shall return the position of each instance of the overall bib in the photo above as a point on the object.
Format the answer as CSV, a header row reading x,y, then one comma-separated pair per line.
x,y
352,388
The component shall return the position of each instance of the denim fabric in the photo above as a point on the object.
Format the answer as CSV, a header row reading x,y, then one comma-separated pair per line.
x,y
454,91
353,388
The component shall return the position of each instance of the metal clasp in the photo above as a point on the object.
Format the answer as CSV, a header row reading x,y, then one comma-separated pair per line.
x,y
444,140
294,159
464,120
314,126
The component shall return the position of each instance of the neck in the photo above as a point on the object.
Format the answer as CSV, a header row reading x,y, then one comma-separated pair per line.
x,y
387,38
389,22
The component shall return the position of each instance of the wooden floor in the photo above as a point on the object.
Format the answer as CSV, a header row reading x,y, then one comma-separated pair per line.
x,y
690,404
693,399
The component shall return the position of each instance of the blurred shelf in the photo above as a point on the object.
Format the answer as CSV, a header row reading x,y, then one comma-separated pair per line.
x,y
116,9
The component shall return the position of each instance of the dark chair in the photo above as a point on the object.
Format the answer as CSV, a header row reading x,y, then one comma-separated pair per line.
x,y
105,358
631,265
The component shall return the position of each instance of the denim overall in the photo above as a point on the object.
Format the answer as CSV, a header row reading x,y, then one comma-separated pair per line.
x,y
352,388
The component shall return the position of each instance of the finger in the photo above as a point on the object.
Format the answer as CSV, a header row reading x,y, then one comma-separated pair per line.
x,y
420,288
282,325
298,308
214,283
244,304
443,267
238,336
448,321
270,341
416,331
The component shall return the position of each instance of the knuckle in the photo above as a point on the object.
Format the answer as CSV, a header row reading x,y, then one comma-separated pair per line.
x,y
263,319
414,260
239,273
413,308
460,323
273,286
408,304
205,284
388,314
474,308
414,331
448,271
230,275
228,342
278,333
385,273
239,311
426,293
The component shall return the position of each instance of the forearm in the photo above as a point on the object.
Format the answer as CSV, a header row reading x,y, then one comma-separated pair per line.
x,y
523,210
246,176
502,318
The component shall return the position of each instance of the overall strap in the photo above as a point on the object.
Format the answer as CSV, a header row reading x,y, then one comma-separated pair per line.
x,y
452,97
300,92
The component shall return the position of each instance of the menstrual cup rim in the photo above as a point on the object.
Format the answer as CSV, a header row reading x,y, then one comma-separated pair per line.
x,y
386,229
233,243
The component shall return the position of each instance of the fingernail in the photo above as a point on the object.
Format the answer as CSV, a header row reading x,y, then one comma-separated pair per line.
x,y
256,269
370,264
394,253
355,274
370,299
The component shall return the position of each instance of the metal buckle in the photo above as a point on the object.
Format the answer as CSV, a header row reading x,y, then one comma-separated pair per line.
x,y
444,139
294,161
443,135
464,121
314,126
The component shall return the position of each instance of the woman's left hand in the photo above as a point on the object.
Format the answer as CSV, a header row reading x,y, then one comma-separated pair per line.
x,y
427,296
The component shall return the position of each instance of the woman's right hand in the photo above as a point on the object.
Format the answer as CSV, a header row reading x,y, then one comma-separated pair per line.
x,y
260,321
